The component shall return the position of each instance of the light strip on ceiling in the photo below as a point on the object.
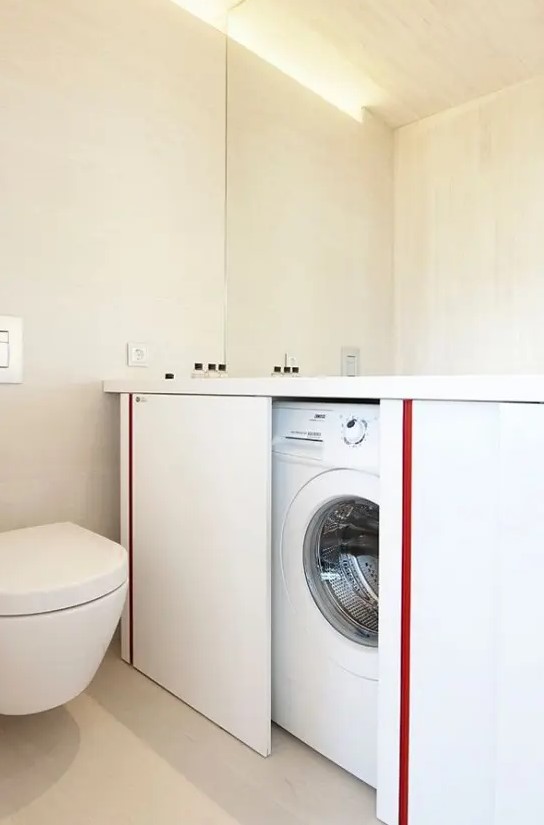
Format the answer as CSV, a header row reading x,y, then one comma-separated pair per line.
x,y
213,12
288,45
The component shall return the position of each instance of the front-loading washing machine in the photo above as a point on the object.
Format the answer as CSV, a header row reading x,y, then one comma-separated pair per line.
x,y
325,585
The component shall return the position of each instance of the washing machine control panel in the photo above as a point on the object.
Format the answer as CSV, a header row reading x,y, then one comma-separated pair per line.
x,y
353,439
354,431
339,435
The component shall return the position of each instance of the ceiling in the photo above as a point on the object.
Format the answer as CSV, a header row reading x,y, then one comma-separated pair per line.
x,y
402,59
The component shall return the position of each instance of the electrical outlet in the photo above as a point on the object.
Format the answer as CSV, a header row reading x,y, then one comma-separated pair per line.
x,y
290,360
137,354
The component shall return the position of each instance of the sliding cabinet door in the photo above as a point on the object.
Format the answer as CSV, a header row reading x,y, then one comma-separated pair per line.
x,y
200,539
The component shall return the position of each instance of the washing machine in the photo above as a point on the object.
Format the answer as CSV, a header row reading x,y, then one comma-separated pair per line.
x,y
325,583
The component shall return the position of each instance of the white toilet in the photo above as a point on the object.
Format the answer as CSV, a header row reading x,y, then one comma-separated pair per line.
x,y
62,591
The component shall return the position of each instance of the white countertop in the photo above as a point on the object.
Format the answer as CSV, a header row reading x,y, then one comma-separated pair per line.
x,y
528,388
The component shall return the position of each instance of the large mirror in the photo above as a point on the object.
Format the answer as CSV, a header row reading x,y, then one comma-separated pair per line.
x,y
309,202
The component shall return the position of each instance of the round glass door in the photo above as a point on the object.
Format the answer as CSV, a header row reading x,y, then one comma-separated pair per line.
x,y
341,566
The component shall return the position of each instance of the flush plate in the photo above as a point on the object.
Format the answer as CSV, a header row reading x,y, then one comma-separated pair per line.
x,y
11,349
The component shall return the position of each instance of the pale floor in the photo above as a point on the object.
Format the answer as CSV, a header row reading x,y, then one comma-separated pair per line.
x,y
128,753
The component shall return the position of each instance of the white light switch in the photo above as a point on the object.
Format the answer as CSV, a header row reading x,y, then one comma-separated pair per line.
x,y
350,361
11,349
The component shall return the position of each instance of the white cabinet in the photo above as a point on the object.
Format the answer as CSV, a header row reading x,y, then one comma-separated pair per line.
x,y
461,664
196,508
477,615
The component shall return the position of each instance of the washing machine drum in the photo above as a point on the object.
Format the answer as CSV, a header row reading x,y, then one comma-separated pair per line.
x,y
341,566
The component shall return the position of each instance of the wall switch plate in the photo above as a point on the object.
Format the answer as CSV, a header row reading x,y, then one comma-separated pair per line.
x,y
137,354
11,349
290,360
351,358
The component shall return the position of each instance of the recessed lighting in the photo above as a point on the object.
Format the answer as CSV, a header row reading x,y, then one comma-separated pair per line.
x,y
289,46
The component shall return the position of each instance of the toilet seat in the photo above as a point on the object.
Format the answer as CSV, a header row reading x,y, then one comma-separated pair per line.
x,y
57,566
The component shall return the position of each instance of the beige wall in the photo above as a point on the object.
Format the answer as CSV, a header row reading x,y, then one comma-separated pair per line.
x,y
469,237
309,227
111,229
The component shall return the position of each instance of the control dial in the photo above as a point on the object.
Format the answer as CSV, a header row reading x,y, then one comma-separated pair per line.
x,y
355,431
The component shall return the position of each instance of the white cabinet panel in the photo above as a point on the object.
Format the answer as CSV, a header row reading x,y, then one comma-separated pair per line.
x,y
455,467
477,659
125,516
391,476
519,698
201,555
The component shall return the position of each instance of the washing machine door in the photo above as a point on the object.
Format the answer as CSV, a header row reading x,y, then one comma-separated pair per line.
x,y
330,565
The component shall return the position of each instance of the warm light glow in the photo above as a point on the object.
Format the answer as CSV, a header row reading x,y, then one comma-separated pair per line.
x,y
275,34
213,12
285,42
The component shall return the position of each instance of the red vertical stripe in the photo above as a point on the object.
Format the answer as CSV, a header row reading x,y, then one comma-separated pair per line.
x,y
130,542
404,750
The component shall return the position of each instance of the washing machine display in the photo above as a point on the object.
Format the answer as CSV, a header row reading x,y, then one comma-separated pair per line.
x,y
341,566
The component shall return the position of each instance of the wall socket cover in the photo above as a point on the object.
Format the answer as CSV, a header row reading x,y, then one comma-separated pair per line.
x,y
137,354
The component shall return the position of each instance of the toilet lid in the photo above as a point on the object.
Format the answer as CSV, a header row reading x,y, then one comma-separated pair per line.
x,y
57,566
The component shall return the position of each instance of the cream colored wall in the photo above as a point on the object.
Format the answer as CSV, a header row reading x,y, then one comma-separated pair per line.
x,y
111,229
309,227
469,237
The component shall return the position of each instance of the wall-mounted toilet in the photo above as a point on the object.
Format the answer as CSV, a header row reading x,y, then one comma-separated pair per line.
x,y
62,591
